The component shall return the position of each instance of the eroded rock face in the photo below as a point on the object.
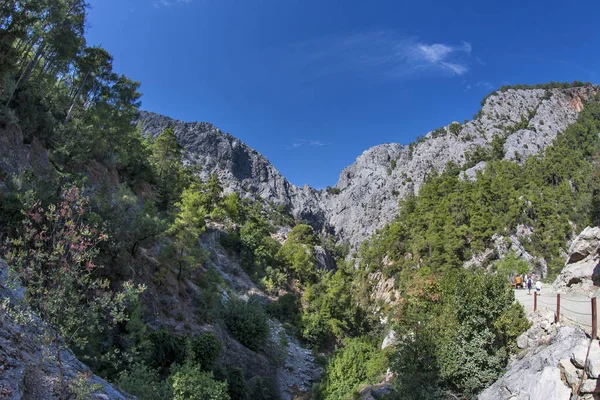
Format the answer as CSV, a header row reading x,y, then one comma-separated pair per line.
x,y
545,368
582,270
367,193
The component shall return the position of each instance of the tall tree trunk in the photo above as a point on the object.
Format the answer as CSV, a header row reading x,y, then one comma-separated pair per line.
x,y
77,95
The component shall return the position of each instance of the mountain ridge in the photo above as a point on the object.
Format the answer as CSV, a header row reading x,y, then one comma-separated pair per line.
x,y
366,195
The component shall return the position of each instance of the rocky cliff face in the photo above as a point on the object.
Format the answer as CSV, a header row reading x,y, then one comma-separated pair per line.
x,y
367,193
582,270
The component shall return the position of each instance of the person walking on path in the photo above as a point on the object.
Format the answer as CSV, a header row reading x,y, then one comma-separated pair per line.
x,y
538,286
529,284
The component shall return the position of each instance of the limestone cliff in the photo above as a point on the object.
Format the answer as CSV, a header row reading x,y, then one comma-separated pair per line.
x,y
367,193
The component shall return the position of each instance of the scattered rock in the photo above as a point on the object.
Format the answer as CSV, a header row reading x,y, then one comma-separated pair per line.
x,y
569,373
590,386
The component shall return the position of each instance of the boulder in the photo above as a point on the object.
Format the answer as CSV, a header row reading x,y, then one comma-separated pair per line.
x,y
390,339
569,373
590,386
581,273
593,360
579,354
550,386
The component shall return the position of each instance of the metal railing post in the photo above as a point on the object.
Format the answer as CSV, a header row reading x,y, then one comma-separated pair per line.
x,y
594,319
534,301
557,307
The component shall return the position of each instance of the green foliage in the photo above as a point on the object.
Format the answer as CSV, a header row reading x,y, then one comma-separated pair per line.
x,y
455,128
145,383
511,265
358,362
54,258
165,349
191,383
237,387
455,338
451,219
286,309
550,85
332,190
167,161
299,261
303,234
247,322
81,389
331,312
205,349
441,131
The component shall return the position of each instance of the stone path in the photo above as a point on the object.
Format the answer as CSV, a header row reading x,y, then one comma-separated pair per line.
x,y
577,308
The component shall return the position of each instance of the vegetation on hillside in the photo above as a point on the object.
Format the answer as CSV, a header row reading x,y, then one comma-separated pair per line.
x,y
131,204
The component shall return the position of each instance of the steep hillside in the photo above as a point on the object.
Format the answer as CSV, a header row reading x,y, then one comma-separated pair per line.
x,y
367,193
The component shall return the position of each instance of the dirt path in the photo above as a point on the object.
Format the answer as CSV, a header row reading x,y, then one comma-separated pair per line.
x,y
576,308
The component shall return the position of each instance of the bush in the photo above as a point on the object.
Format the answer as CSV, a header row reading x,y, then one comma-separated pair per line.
x,y
165,349
205,349
144,382
455,128
191,383
247,322
237,387
359,362
285,309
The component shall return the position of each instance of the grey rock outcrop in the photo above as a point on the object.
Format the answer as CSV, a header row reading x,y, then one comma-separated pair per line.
x,y
367,193
582,270
536,374
26,369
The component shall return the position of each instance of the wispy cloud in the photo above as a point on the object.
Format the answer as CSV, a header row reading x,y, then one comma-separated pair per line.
x,y
169,3
485,85
383,54
305,142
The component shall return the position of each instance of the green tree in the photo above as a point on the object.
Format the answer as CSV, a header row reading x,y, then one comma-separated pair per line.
x,y
247,322
358,362
167,161
205,350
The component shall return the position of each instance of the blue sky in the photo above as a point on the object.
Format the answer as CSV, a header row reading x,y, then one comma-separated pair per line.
x,y
311,84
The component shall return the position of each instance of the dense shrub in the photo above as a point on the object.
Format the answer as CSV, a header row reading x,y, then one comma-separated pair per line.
x,y
164,350
191,383
358,362
205,349
286,309
247,322
145,383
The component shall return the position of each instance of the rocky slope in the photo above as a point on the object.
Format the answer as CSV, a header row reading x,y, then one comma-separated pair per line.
x,y
367,193
26,369
550,366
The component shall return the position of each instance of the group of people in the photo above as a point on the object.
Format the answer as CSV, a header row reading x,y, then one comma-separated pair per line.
x,y
522,281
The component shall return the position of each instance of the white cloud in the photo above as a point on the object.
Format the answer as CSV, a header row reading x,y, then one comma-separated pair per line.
x,y
381,53
169,3
306,142
485,85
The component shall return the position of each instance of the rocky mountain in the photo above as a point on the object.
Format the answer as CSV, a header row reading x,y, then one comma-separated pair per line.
x,y
367,193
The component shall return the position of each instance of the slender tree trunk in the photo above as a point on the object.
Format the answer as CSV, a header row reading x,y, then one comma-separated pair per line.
x,y
77,96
